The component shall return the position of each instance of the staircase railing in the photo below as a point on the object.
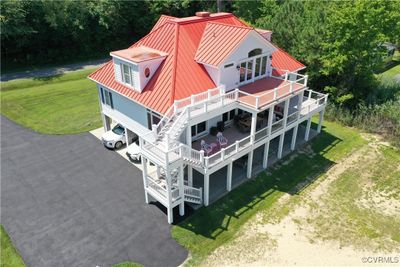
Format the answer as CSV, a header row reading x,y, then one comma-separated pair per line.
x,y
193,192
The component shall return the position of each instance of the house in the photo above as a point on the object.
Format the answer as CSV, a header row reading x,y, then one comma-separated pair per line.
x,y
192,78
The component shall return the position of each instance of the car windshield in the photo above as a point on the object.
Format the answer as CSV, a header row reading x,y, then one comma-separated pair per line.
x,y
118,130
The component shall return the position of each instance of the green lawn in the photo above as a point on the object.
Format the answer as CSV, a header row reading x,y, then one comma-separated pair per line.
x,y
390,73
9,256
128,264
217,224
64,104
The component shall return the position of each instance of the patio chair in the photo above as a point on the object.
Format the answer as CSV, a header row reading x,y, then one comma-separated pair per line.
x,y
206,147
223,142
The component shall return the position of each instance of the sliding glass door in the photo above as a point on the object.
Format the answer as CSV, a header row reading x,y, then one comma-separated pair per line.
x,y
253,68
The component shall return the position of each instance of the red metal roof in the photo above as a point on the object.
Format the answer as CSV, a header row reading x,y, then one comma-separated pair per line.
x,y
283,61
161,21
218,41
179,75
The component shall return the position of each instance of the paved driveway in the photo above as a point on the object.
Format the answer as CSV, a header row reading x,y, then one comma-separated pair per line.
x,y
67,201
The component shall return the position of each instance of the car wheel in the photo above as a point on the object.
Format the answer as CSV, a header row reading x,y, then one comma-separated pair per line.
x,y
118,145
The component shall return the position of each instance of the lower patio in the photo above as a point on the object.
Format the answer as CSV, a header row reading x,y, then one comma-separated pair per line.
x,y
218,179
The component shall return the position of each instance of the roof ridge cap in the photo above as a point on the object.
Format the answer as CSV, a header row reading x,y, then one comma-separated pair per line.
x,y
202,19
231,25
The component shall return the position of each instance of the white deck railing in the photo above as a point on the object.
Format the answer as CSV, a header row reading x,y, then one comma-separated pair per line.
x,y
185,109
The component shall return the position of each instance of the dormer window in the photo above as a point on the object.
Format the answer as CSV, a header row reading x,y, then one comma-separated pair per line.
x,y
127,74
135,66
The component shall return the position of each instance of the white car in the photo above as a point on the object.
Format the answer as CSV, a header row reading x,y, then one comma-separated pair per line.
x,y
133,151
114,138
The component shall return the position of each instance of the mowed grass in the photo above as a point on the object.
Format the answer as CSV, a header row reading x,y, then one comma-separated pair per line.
x,y
208,228
64,104
9,256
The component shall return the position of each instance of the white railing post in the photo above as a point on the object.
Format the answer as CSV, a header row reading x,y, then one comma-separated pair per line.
x,y
222,154
286,75
154,130
201,156
175,106
192,99
257,102
236,94
275,93
291,87
309,94
305,80
236,146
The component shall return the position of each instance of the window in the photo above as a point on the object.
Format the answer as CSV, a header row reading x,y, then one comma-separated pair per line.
x,y
228,116
255,52
152,118
199,128
107,98
228,65
147,72
102,95
127,77
264,65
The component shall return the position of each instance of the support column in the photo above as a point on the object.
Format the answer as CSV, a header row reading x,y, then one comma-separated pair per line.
x,y
127,137
270,118
249,164
181,191
266,152
189,136
190,176
229,177
253,126
106,122
206,189
294,136
308,129
285,112
321,117
280,149
169,196
158,172
144,172
300,103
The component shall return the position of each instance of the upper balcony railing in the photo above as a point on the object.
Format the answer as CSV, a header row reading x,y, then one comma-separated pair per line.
x,y
311,101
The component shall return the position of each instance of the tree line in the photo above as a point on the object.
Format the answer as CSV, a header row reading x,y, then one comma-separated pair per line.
x,y
340,42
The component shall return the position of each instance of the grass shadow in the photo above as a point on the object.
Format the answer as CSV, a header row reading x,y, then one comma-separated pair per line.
x,y
51,77
264,190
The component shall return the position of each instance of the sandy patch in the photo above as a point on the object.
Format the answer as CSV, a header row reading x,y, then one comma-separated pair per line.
x,y
291,241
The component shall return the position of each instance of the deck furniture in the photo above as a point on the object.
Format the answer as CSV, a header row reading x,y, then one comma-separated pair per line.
x,y
223,142
206,147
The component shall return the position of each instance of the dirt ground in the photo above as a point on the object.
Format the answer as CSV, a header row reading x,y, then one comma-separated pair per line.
x,y
295,239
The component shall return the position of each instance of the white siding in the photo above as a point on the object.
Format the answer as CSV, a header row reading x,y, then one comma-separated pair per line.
x,y
230,76
213,72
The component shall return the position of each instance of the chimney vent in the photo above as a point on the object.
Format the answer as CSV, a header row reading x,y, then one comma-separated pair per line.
x,y
202,14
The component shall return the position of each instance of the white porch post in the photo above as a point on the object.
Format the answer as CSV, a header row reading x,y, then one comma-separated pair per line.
x,y
270,118
169,197
106,122
229,177
321,117
144,167
206,189
181,191
249,164
190,176
127,137
300,103
253,126
308,129
294,136
266,151
280,149
285,112
158,172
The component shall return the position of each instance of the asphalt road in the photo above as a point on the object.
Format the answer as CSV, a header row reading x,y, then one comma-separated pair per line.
x,y
50,71
68,201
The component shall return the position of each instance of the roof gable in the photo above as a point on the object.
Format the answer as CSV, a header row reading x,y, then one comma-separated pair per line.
x,y
218,41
